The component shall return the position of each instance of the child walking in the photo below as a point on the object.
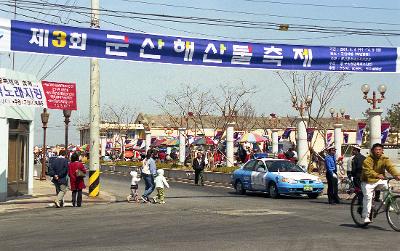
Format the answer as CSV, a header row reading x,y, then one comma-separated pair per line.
x,y
161,182
134,187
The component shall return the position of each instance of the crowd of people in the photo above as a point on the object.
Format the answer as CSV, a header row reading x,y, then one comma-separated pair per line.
x,y
366,173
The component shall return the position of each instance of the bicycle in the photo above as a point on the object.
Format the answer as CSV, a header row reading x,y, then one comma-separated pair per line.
x,y
390,206
346,186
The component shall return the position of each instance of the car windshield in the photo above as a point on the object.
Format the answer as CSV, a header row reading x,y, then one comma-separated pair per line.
x,y
284,166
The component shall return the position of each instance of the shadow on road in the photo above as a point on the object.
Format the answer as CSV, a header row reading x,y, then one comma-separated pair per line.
x,y
365,228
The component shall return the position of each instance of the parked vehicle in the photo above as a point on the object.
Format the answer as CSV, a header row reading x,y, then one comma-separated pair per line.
x,y
276,177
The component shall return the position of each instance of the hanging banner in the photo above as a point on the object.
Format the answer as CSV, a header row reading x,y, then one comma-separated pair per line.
x,y
310,134
360,132
345,138
385,127
19,92
60,96
85,42
329,139
286,133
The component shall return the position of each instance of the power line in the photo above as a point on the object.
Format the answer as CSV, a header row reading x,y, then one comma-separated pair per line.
x,y
323,5
257,14
227,22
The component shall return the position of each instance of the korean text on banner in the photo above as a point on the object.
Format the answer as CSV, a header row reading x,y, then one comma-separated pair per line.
x,y
17,92
85,42
60,96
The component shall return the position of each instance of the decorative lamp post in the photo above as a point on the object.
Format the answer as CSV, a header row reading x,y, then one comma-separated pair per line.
x,y
67,115
274,129
182,145
231,115
337,130
374,113
302,144
45,119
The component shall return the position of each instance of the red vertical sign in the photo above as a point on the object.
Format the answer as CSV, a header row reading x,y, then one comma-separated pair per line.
x,y
60,96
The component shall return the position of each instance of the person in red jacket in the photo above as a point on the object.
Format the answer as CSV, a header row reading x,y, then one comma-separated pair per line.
x,y
77,183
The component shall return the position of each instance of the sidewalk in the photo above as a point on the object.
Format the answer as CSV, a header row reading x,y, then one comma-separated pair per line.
x,y
43,197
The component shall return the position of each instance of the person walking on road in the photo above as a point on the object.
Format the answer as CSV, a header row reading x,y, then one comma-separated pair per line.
x,y
198,166
76,181
149,170
134,187
161,183
373,175
331,176
59,171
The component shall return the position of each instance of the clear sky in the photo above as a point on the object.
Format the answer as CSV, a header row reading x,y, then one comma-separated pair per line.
x,y
131,83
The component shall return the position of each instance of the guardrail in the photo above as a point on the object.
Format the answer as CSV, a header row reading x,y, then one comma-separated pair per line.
x,y
216,177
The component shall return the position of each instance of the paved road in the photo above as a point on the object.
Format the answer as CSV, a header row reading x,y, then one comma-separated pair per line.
x,y
194,218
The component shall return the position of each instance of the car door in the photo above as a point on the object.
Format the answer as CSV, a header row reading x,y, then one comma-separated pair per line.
x,y
246,175
258,176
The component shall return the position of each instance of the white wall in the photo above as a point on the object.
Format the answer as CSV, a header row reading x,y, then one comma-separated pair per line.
x,y
21,113
3,154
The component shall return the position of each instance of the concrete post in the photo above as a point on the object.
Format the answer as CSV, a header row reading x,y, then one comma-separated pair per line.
x,y
229,144
375,126
182,145
275,141
147,140
302,144
338,139
94,165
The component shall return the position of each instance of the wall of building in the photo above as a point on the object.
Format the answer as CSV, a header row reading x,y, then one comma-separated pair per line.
x,y
20,113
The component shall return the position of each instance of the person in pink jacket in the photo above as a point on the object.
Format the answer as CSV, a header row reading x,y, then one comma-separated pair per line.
x,y
77,183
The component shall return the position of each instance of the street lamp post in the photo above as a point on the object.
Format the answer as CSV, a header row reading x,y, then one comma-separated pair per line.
x,y
274,135
337,130
302,144
67,115
45,119
375,112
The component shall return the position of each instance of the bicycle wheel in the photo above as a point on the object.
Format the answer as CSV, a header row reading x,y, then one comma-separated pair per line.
x,y
356,210
393,212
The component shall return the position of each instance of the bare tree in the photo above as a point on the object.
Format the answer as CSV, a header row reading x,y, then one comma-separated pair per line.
x,y
118,118
199,108
319,89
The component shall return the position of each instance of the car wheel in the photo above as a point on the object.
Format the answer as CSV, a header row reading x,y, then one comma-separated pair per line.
x,y
273,191
239,188
313,195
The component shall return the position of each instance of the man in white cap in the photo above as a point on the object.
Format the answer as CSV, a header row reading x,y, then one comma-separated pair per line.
x,y
356,165
331,176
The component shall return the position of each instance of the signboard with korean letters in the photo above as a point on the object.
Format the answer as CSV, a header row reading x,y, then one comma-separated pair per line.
x,y
20,92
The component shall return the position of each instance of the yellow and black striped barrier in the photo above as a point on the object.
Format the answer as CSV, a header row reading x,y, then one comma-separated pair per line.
x,y
94,183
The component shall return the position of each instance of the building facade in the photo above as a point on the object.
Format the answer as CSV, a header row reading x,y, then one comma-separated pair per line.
x,y
16,145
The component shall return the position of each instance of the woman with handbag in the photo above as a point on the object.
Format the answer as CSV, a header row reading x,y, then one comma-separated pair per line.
x,y
76,172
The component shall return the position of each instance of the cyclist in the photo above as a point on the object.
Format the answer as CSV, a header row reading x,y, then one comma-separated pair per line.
x,y
373,173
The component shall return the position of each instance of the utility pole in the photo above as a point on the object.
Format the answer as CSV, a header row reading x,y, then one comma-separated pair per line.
x,y
94,166
15,17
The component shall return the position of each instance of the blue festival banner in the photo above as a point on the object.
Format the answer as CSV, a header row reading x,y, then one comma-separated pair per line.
x,y
310,133
287,132
385,127
86,42
360,132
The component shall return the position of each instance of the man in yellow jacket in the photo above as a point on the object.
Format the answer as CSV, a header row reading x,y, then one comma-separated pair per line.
x,y
373,175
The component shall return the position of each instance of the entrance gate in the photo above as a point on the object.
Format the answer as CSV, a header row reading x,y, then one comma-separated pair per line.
x,y
18,153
